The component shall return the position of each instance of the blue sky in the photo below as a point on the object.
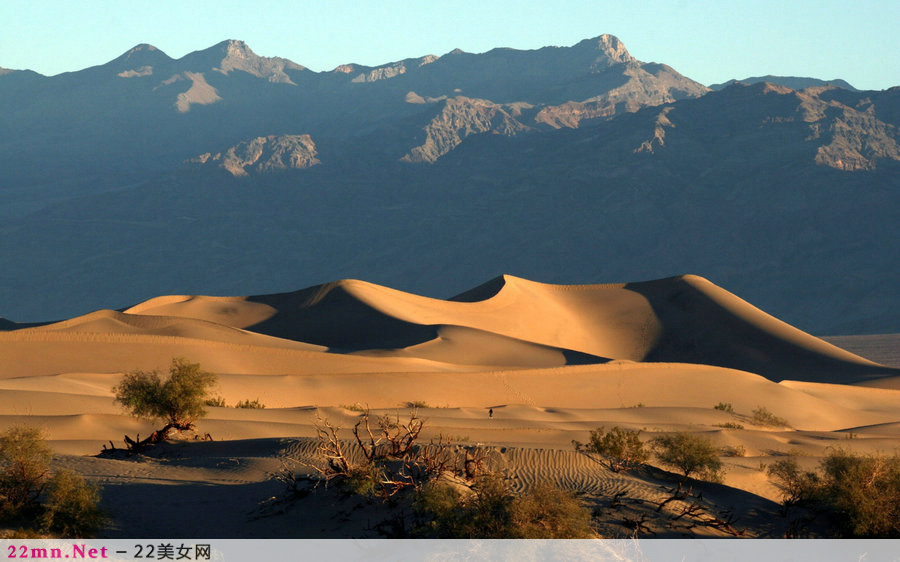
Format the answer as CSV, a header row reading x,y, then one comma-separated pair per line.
x,y
709,41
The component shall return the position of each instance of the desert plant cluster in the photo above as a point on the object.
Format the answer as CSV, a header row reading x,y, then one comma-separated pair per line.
x,y
857,496
41,501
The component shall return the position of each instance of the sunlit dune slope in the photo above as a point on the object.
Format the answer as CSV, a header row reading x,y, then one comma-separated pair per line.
x,y
353,326
682,319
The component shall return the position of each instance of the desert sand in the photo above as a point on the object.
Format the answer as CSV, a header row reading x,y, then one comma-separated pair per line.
x,y
552,361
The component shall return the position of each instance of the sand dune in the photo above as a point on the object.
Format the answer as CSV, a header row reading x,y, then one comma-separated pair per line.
x,y
552,361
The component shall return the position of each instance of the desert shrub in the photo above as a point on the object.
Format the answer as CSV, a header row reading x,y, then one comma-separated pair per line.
x,y
725,407
690,454
491,511
251,405
353,407
417,404
24,468
217,402
859,494
71,506
179,400
797,486
863,493
730,425
734,451
762,416
548,512
620,449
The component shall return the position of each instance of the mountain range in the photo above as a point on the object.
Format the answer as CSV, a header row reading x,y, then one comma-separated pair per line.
x,y
226,172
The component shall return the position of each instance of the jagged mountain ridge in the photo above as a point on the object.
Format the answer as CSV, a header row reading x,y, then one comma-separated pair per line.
x,y
792,82
597,189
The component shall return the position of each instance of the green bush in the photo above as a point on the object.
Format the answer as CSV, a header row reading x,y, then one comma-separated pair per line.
x,y
621,449
859,494
762,416
64,504
178,401
251,405
24,468
71,506
491,511
690,454
863,493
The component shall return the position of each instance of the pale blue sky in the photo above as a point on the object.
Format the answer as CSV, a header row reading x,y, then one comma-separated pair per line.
x,y
709,41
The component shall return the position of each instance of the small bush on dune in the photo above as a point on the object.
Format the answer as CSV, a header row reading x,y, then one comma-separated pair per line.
x,y
762,416
621,449
690,454
725,407
250,404
217,402
71,506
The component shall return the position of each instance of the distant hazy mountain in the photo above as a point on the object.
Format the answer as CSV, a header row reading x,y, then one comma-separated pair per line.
x,y
793,82
228,173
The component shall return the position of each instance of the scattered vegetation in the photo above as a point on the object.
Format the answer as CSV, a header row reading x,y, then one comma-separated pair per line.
x,y
178,401
618,449
730,425
725,407
217,402
63,504
417,404
450,490
762,416
251,405
690,454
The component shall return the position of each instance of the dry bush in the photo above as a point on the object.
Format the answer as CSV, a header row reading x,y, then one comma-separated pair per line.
x,y
393,459
734,451
250,404
725,407
762,416
619,449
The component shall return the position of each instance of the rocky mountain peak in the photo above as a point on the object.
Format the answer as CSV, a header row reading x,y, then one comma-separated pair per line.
x,y
611,49
140,56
